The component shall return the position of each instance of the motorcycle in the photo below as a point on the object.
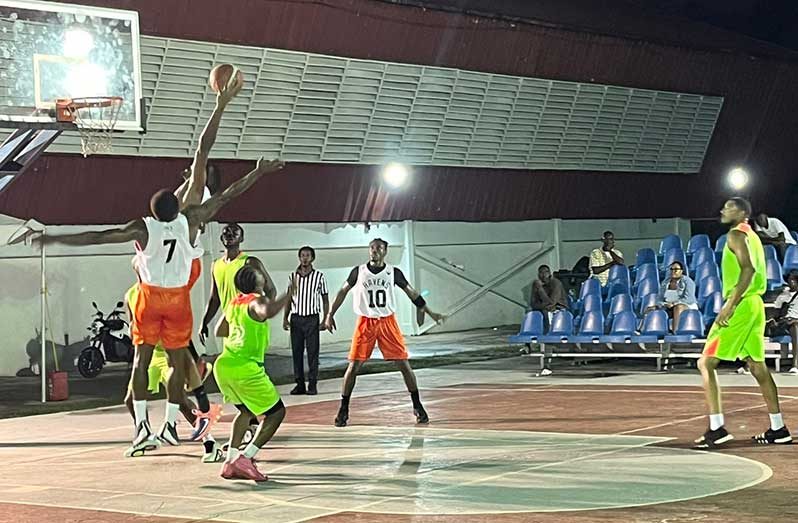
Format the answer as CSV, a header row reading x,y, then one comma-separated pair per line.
x,y
108,343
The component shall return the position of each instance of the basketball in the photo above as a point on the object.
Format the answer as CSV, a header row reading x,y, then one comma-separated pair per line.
x,y
222,75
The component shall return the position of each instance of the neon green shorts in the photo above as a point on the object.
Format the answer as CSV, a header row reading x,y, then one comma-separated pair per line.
x,y
244,382
158,371
745,335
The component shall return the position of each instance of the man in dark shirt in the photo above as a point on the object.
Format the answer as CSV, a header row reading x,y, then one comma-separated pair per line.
x,y
548,293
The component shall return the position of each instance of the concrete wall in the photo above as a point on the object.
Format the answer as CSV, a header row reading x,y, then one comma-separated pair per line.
x,y
477,252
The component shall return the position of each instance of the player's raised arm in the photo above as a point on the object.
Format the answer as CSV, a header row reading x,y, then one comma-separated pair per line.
x,y
135,230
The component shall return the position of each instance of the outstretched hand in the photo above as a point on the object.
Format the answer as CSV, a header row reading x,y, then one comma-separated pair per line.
x,y
30,237
228,92
267,166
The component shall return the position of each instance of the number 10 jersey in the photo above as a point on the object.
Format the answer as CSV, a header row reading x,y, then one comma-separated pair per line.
x,y
374,295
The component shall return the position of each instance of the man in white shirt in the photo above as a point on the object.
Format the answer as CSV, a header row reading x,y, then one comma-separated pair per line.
x,y
772,231
789,318
602,259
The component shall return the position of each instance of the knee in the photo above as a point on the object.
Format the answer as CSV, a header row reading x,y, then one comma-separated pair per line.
x,y
758,369
706,365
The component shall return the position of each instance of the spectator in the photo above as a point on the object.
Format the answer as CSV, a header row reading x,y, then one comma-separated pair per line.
x,y
786,322
548,293
676,294
772,231
601,260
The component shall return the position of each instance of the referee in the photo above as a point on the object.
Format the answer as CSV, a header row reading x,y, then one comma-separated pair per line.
x,y
306,304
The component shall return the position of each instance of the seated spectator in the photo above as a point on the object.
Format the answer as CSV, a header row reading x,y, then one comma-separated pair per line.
x,y
602,259
786,321
676,294
548,293
772,231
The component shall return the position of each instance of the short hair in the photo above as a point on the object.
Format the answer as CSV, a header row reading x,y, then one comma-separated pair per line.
x,y
164,205
307,248
379,240
544,266
792,274
742,204
246,279
234,225
677,262
607,233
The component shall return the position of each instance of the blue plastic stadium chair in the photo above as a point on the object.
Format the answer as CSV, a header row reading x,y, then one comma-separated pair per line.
x,y
790,259
691,326
706,287
531,328
592,302
619,303
649,300
671,241
673,255
712,308
701,256
591,328
698,241
794,234
648,270
775,276
770,252
562,327
645,256
646,287
614,289
619,273
590,286
709,268
623,328
719,245
655,327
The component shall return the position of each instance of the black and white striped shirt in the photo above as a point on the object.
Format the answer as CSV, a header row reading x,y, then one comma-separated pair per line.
x,y
310,288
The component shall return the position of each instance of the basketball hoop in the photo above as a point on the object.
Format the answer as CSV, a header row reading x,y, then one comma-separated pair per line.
x,y
95,117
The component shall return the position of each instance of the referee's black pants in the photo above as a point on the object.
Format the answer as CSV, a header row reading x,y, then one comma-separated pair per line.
x,y
305,333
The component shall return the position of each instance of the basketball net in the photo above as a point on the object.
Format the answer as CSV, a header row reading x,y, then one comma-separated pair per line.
x,y
95,118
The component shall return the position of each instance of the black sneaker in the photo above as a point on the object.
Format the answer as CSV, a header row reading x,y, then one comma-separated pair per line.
x,y
342,417
312,390
421,415
298,390
713,438
773,437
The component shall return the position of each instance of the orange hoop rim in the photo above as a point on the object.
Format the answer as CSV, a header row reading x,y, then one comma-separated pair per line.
x,y
91,101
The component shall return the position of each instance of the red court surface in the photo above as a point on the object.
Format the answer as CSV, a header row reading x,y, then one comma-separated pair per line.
x,y
502,447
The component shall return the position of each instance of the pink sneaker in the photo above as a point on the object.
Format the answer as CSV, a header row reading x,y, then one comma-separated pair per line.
x,y
205,420
242,468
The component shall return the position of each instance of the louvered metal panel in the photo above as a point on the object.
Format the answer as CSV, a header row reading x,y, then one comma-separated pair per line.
x,y
314,108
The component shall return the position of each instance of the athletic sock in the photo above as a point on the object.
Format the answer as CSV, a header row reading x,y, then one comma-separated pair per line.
x,y
715,421
416,399
171,412
250,451
344,402
140,411
202,398
776,422
232,454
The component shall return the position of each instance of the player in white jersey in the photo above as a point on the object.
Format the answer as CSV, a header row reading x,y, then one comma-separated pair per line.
x,y
374,302
162,313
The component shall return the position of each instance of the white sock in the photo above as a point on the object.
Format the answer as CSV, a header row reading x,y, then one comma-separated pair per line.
x,y
208,438
775,421
232,454
140,411
171,412
715,421
250,451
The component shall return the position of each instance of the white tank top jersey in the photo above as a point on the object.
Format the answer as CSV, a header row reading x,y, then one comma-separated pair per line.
x,y
166,261
374,293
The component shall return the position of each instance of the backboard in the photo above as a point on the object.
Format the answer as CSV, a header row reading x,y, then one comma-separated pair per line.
x,y
51,50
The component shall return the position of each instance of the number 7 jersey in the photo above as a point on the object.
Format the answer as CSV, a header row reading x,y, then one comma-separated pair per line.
x,y
166,260
374,295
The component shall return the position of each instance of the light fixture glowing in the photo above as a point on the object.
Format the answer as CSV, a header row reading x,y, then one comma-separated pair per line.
x,y
395,174
78,43
738,178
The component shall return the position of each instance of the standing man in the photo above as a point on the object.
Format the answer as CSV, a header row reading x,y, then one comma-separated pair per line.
x,y
165,248
602,259
739,329
306,304
375,304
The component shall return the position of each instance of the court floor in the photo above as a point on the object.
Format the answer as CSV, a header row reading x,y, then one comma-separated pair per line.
x,y
503,445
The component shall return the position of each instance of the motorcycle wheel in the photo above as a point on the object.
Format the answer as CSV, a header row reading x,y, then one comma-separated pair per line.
x,y
90,363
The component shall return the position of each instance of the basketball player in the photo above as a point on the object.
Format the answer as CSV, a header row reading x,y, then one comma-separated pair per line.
x,y
739,329
223,288
374,303
162,312
240,374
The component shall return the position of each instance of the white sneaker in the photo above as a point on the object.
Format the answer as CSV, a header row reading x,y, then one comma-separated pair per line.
x,y
793,371
743,370
215,455
168,434
546,372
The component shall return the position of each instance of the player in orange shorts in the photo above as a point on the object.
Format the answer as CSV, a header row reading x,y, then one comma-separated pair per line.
x,y
374,302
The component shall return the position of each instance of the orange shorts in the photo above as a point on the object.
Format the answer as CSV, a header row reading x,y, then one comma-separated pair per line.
x,y
164,314
382,331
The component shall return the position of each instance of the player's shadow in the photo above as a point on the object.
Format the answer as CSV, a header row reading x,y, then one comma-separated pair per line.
x,y
44,444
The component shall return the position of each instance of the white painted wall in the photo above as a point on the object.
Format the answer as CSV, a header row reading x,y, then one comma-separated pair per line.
x,y
76,276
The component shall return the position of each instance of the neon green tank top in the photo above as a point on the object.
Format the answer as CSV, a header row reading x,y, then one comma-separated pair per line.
x,y
224,274
248,339
731,267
